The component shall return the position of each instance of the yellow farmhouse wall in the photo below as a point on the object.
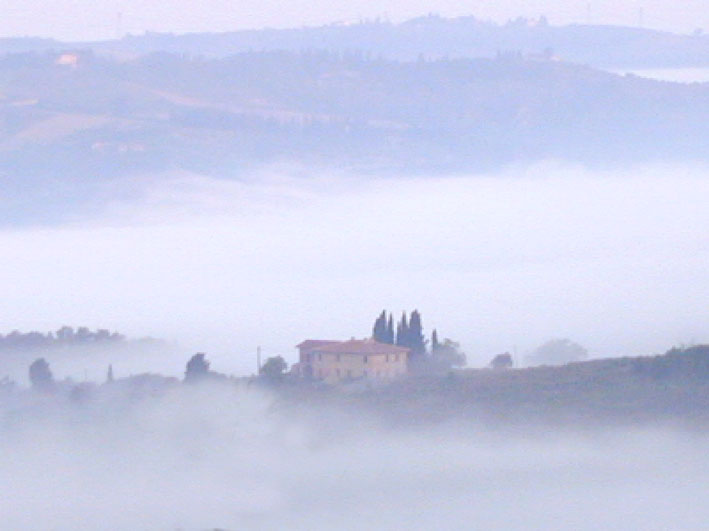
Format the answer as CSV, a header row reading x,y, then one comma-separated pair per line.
x,y
335,367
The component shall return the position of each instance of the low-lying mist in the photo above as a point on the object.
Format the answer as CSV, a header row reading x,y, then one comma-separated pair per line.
x,y
90,362
616,260
223,456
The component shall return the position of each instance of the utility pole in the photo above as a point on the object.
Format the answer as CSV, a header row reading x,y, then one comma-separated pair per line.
x,y
258,361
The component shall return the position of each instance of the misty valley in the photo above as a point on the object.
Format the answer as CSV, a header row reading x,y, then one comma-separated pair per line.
x,y
199,232
575,442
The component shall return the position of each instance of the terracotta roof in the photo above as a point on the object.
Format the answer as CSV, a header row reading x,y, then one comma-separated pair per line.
x,y
360,346
312,343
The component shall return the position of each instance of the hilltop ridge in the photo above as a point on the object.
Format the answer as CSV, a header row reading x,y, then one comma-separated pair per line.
x,y
671,388
73,124
430,36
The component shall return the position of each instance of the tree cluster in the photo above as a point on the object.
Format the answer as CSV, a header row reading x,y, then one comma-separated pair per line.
x,y
557,352
448,353
383,330
197,368
502,361
274,368
66,335
41,376
409,334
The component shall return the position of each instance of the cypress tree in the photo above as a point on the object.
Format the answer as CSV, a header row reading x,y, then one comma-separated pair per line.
x,y
417,343
434,341
379,331
390,330
402,332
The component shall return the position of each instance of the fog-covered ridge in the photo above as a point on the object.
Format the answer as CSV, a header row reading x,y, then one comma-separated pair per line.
x,y
153,453
491,234
432,36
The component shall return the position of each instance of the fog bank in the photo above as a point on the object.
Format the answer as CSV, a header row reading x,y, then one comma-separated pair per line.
x,y
199,458
616,260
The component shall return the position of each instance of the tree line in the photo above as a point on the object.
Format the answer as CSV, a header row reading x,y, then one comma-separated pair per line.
x,y
66,335
409,333
197,369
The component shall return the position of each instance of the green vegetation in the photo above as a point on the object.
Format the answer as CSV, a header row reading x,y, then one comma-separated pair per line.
x,y
427,36
557,352
673,387
274,368
197,368
41,376
670,387
502,361
409,334
69,131
65,336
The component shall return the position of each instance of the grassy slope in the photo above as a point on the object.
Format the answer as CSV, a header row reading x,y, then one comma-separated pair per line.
x,y
672,388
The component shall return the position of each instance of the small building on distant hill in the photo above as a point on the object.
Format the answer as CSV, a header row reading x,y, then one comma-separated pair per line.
x,y
68,59
335,361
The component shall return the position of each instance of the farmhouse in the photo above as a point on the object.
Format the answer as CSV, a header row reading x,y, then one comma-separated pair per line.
x,y
335,361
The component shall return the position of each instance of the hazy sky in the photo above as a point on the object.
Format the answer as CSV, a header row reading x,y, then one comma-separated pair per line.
x,y
81,20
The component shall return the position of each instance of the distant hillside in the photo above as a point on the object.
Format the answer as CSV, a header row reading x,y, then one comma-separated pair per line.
x,y
432,36
72,123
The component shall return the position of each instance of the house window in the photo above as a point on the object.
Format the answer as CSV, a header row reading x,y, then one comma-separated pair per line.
x,y
396,358
365,359
387,359
319,357
338,357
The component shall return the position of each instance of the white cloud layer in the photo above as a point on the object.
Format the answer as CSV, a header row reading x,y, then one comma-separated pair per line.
x,y
201,458
616,260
